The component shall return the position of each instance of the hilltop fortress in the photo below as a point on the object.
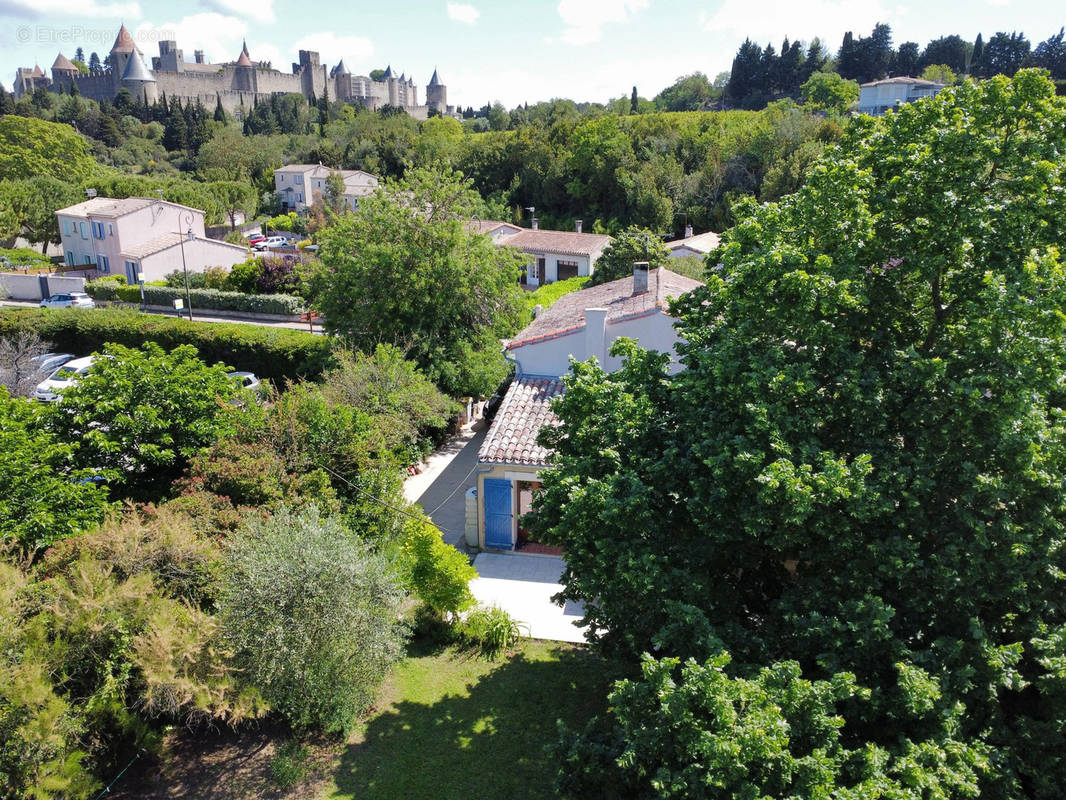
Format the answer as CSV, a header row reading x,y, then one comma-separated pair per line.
x,y
239,84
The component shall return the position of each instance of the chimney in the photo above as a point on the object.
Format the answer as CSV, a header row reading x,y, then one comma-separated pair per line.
x,y
577,225
688,231
596,334
640,277
198,55
534,224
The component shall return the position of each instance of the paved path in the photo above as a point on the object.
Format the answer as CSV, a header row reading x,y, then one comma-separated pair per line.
x,y
441,486
523,586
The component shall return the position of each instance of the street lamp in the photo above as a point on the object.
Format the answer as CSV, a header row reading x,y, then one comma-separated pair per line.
x,y
186,219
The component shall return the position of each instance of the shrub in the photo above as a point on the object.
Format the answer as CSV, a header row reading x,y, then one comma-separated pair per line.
x,y
209,299
23,256
242,277
275,353
311,615
435,571
549,293
490,629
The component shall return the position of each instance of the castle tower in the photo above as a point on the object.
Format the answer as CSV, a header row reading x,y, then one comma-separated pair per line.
x,y
121,52
245,73
138,80
437,94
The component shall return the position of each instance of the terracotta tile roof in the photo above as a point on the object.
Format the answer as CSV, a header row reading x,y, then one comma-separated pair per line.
x,y
106,206
169,240
568,312
526,409
124,42
63,63
701,242
488,226
563,242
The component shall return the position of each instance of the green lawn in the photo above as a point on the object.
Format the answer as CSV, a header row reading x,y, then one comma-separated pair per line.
x,y
458,726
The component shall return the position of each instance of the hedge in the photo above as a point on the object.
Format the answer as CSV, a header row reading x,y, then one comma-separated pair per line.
x,y
207,299
269,352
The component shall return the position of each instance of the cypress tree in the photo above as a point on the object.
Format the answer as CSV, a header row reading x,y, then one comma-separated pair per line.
x,y
976,56
7,102
220,112
634,103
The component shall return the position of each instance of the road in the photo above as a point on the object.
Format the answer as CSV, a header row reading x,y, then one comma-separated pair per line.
x,y
198,316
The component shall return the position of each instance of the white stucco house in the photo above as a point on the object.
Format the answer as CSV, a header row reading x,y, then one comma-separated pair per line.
x,y
581,325
877,97
297,184
140,236
553,255
699,244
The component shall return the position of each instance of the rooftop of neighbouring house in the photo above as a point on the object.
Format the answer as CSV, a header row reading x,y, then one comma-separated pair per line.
x,y
701,242
567,243
902,79
568,312
487,226
168,240
322,171
115,207
526,408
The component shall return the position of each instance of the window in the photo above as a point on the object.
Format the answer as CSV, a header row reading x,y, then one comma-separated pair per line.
x,y
110,229
88,259
102,264
566,269
281,179
71,261
297,178
98,230
84,232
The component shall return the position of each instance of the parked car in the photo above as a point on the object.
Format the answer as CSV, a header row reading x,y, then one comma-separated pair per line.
x,y
254,240
247,380
271,242
47,363
49,389
68,300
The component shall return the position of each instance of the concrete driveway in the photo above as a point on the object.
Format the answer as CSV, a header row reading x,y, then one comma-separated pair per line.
x,y
441,486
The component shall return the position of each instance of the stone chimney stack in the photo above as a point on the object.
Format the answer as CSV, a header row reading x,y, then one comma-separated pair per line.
x,y
577,225
596,334
640,277
198,56
534,224
688,231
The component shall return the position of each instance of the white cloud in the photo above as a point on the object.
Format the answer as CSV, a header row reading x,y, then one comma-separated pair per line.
x,y
463,12
79,9
332,48
260,10
826,19
584,19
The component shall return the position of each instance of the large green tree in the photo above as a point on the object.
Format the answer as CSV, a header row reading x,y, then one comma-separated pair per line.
x,y
862,465
31,148
628,247
408,270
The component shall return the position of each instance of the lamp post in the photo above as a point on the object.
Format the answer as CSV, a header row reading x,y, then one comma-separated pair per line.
x,y
185,219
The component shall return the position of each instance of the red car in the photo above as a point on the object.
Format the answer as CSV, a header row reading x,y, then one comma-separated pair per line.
x,y
254,240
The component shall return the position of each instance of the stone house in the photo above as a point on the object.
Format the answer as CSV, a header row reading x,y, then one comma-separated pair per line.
x,y
297,184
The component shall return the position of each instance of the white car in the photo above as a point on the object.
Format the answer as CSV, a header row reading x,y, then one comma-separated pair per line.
x,y
68,300
48,390
271,242
47,363
247,380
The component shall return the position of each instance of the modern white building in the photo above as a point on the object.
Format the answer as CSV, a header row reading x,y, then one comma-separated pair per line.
x,y
877,97
297,185
140,236
579,325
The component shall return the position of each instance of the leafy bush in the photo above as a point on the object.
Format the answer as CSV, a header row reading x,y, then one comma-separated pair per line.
x,y
435,571
20,256
275,353
312,617
211,278
243,277
279,275
209,299
490,629
547,294
291,223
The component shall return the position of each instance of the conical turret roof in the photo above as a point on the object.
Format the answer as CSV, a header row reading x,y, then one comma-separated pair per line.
x,y
63,63
243,60
124,42
388,72
37,71
244,46
340,69
136,70
434,81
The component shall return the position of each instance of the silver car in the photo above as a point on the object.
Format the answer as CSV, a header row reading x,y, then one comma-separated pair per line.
x,y
68,300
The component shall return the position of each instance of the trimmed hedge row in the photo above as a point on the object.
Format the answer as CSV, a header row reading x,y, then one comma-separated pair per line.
x,y
208,299
269,352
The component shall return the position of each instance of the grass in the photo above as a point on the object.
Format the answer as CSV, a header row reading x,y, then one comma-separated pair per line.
x,y
457,726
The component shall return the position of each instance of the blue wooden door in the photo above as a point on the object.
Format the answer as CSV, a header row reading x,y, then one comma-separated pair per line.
x,y
498,520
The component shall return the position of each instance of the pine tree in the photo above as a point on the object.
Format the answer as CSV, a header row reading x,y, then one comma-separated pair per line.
x,y
978,54
220,112
95,67
79,55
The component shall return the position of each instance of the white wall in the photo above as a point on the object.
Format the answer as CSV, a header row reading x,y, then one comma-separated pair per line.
x,y
199,254
28,287
552,356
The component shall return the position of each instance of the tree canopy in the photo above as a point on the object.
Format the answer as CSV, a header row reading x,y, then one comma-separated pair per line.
x,y
861,465
408,270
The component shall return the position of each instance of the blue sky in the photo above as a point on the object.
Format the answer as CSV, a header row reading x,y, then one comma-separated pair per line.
x,y
511,52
